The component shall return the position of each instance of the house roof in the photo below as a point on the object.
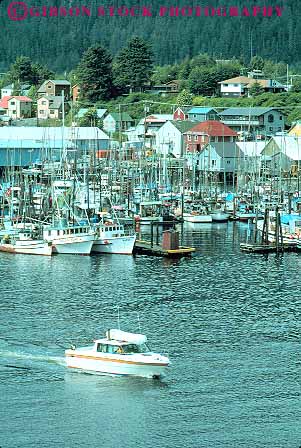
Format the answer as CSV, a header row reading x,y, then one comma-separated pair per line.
x,y
183,125
63,82
226,149
248,82
55,102
123,116
200,110
184,109
158,118
247,111
213,128
21,98
4,101
45,134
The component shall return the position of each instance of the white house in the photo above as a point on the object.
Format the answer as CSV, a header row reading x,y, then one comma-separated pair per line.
x,y
169,138
17,106
240,86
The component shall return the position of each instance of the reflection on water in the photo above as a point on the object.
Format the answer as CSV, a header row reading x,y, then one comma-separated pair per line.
x,y
230,322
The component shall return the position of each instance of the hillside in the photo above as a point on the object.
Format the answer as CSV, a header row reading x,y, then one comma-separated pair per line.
x,y
60,41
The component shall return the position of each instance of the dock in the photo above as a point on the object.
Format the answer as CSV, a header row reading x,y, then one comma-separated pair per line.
x,y
147,248
267,248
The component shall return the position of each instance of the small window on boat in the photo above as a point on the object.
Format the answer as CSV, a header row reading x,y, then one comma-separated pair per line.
x,y
131,348
102,348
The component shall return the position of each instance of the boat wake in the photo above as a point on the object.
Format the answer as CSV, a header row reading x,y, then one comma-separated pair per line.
x,y
32,357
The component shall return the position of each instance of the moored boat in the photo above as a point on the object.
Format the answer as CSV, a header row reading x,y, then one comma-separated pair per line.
x,y
25,245
111,239
119,353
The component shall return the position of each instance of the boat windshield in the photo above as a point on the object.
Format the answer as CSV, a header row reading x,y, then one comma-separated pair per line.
x,y
134,348
127,348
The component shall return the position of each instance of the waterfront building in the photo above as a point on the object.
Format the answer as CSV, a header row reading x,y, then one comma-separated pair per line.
x,y
265,121
22,146
208,131
170,137
201,114
281,155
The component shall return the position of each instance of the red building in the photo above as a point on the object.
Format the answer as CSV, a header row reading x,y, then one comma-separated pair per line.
x,y
207,132
180,113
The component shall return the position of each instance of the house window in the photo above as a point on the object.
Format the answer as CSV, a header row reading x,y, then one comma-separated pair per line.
x,y
48,87
43,103
270,118
280,117
195,138
189,138
12,103
52,112
213,162
226,85
228,162
194,115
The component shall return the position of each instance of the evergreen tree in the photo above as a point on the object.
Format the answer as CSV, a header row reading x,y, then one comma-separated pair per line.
x,y
21,70
184,98
94,74
256,89
134,65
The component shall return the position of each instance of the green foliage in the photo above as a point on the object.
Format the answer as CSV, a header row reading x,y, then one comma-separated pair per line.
x,y
94,74
90,118
184,98
256,89
133,66
23,70
257,63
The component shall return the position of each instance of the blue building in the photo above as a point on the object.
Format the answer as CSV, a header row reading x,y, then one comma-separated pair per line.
x,y
22,146
201,114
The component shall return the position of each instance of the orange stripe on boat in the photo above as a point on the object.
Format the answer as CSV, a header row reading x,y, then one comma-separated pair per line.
x,y
116,360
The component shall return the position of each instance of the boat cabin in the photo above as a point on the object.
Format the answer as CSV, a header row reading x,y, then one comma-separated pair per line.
x,y
118,347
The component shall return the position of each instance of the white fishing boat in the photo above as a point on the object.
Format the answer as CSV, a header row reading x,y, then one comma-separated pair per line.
x,y
119,353
70,239
111,239
25,244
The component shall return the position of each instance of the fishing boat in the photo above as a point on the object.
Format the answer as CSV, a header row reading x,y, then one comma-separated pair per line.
x,y
25,244
119,353
111,239
197,213
69,239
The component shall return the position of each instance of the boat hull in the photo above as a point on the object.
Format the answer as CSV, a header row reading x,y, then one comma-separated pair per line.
x,y
74,246
116,245
109,366
29,248
220,217
197,218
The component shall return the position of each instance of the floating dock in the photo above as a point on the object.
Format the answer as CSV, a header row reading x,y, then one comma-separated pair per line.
x,y
147,248
267,248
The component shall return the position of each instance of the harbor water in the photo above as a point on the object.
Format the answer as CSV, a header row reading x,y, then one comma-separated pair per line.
x,y
230,323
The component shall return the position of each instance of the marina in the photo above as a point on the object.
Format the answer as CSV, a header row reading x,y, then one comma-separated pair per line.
x,y
234,350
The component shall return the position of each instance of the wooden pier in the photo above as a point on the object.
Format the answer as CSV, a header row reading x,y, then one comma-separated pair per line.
x,y
147,248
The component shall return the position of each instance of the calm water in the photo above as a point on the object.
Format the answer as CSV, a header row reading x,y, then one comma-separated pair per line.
x,y
230,323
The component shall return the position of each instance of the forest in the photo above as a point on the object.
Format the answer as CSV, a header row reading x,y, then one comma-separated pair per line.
x,y
59,42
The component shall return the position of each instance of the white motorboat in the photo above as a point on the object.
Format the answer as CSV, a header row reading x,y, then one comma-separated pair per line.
x,y
25,244
119,353
111,239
